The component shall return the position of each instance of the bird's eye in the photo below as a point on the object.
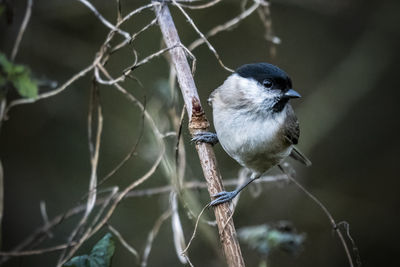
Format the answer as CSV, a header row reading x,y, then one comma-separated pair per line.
x,y
267,83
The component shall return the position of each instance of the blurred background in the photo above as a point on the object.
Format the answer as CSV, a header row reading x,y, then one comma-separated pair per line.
x,y
343,59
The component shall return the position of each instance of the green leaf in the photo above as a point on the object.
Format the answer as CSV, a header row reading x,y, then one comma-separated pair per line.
x,y
5,65
100,256
79,261
19,76
25,86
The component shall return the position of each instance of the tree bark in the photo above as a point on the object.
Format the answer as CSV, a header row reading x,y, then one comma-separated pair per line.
x,y
198,123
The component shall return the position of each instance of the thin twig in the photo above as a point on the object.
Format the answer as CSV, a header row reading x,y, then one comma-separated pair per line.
x,y
212,49
103,20
119,11
195,228
326,211
177,229
195,185
148,58
124,243
3,105
53,92
178,137
226,26
152,235
146,27
22,29
346,226
36,251
120,22
118,198
206,5
131,98
264,13
131,152
45,218
94,155
89,232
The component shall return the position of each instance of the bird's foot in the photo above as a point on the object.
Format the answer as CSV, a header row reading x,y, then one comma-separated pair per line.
x,y
223,197
205,137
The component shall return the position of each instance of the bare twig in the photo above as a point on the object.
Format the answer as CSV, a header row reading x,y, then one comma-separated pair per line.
x,y
53,92
326,211
202,6
130,154
356,253
179,135
137,11
37,251
212,49
94,159
198,123
124,243
119,11
264,13
3,104
195,228
201,185
146,27
148,58
131,98
177,230
115,203
152,235
43,212
226,26
103,20
22,29
88,232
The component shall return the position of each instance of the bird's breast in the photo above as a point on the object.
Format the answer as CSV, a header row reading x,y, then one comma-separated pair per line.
x,y
257,143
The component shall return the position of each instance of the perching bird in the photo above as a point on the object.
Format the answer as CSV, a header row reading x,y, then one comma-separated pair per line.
x,y
254,121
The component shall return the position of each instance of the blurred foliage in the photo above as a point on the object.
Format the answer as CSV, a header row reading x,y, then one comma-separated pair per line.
x,y
19,76
100,256
266,238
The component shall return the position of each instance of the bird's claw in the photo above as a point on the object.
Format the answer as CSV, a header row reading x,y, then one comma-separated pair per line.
x,y
205,137
223,197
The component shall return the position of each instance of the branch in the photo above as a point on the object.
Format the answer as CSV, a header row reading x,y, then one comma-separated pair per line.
x,y
22,29
198,123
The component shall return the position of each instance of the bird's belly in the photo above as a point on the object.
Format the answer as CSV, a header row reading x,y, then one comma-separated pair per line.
x,y
257,145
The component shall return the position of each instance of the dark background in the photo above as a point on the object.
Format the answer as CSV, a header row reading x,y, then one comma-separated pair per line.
x,y
342,57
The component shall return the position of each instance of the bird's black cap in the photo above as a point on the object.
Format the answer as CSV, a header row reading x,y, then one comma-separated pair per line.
x,y
263,71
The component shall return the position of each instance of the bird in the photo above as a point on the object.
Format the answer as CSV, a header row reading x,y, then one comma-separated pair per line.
x,y
254,121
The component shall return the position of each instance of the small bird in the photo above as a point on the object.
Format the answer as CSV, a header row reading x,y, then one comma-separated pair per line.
x,y
254,121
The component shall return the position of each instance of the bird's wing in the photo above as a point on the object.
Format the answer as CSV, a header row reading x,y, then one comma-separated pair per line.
x,y
292,133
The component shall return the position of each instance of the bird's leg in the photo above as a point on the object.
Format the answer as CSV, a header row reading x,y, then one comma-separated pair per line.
x,y
205,137
224,196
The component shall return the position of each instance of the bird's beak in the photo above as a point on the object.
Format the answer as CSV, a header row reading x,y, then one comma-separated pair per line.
x,y
291,94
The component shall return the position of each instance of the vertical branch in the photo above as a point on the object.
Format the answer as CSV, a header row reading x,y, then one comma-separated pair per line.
x,y
22,29
198,122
